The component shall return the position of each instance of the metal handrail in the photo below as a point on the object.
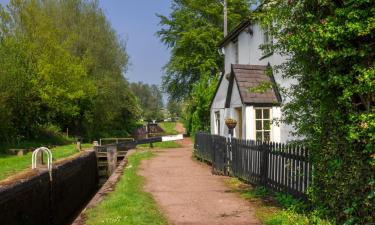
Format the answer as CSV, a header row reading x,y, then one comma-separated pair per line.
x,y
49,159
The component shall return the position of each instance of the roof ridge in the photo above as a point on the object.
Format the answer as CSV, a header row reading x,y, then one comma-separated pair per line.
x,y
249,66
235,32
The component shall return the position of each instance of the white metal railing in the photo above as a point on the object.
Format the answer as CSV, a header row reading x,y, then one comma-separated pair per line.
x,y
49,159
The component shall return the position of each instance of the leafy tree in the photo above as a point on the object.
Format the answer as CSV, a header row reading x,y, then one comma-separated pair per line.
x,y
198,106
150,100
62,64
174,108
331,49
192,32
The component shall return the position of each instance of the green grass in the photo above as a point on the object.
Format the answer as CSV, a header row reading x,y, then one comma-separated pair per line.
x,y
165,144
169,127
11,164
278,210
128,204
43,141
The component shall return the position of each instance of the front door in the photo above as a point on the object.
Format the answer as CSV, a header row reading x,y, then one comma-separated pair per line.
x,y
239,123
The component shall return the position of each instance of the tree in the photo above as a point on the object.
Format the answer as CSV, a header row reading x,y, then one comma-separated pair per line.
x,y
174,108
331,49
192,32
150,99
62,64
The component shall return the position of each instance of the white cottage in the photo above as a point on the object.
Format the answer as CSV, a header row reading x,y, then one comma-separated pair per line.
x,y
246,69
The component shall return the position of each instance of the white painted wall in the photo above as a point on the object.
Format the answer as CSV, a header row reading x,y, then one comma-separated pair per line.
x,y
237,103
229,57
218,105
221,95
236,97
244,39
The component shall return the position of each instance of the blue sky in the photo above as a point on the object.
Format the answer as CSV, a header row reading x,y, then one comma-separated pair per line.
x,y
135,21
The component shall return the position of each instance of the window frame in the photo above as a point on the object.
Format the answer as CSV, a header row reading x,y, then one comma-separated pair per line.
x,y
262,119
217,122
267,40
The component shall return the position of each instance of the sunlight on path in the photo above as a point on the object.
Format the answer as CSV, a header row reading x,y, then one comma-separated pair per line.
x,y
189,194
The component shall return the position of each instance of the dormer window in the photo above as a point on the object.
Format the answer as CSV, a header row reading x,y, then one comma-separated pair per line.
x,y
267,41
236,55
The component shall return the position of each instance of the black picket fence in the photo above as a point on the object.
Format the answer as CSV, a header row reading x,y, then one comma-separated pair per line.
x,y
278,167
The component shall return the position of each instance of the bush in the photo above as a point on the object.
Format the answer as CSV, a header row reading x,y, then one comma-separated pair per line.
x,y
331,48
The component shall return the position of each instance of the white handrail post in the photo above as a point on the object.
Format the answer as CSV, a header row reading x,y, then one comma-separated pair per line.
x,y
49,159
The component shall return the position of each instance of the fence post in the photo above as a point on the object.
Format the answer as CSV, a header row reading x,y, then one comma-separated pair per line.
x,y
111,158
228,156
264,165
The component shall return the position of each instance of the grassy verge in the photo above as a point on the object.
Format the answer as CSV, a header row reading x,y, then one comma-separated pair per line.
x,y
128,204
169,127
165,144
52,140
10,164
279,209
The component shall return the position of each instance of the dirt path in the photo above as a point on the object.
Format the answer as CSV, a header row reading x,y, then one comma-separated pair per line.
x,y
188,193
180,128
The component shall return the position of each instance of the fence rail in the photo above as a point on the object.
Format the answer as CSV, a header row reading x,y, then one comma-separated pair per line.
x,y
279,167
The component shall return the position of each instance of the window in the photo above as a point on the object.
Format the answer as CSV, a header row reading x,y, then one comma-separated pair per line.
x,y
217,122
263,124
236,54
266,37
238,128
267,41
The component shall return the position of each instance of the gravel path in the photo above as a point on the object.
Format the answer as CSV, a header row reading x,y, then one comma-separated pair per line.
x,y
187,192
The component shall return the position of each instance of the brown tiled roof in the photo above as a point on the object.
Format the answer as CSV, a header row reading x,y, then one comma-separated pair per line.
x,y
251,76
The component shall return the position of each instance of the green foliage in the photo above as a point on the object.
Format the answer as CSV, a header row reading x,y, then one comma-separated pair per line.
x,y
287,201
290,217
197,112
174,108
61,63
284,211
128,204
150,100
48,136
192,31
331,49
